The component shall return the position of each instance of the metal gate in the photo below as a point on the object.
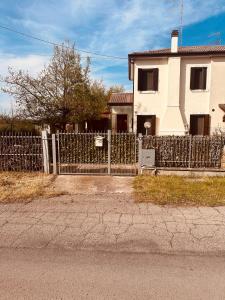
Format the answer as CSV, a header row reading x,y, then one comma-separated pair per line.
x,y
97,153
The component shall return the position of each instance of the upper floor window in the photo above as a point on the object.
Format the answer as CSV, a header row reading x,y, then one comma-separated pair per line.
x,y
198,78
148,79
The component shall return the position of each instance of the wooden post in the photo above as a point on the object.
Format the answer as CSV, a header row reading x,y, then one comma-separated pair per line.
x,y
44,136
139,153
54,154
109,152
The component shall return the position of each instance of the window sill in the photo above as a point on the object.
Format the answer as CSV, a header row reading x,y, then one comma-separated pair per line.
x,y
199,91
148,92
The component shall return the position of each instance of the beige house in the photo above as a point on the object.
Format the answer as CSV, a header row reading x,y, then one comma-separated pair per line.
x,y
178,90
121,110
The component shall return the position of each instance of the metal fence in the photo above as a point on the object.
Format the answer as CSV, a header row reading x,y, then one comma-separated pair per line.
x,y
78,153
123,154
186,151
20,152
119,154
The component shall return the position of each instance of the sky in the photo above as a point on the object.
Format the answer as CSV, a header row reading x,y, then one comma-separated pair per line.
x,y
112,27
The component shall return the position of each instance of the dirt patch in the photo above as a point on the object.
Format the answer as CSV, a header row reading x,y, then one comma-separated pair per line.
x,y
93,184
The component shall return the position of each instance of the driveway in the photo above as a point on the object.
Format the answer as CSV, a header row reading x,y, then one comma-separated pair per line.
x,y
99,213
89,185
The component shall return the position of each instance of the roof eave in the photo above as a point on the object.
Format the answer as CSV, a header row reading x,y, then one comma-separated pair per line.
x,y
197,53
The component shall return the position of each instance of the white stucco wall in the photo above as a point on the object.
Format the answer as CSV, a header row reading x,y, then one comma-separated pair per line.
x,y
151,103
174,96
197,101
217,95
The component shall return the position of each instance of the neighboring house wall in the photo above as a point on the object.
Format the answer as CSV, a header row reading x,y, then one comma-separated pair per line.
x,y
121,110
175,102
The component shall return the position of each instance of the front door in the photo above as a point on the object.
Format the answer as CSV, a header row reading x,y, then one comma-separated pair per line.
x,y
121,123
199,124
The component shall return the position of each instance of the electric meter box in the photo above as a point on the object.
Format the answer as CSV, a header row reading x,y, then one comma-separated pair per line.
x,y
148,158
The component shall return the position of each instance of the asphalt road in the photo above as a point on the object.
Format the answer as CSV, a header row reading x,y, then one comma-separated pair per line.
x,y
61,274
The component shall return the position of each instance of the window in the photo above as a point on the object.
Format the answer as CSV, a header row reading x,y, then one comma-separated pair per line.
x,y
148,79
198,78
200,124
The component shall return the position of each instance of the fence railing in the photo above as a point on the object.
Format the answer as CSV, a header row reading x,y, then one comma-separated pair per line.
x,y
27,152
21,152
186,151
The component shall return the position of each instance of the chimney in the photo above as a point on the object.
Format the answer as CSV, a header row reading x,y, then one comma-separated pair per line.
x,y
174,41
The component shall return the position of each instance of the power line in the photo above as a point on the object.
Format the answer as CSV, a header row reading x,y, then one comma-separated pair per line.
x,y
11,55
56,44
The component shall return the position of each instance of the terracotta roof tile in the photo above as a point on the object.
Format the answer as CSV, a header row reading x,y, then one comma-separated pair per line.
x,y
121,98
217,49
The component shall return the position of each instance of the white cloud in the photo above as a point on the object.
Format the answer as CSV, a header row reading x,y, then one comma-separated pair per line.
x,y
5,102
143,24
31,63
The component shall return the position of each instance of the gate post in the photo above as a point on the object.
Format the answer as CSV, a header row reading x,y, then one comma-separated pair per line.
x,y
44,138
109,151
54,154
139,153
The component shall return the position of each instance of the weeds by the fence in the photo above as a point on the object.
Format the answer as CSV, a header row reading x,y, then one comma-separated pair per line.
x,y
177,190
24,187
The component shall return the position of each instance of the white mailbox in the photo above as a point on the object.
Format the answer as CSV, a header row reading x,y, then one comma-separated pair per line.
x,y
99,141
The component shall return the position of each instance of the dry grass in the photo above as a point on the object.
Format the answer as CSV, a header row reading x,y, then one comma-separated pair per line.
x,y
23,187
174,190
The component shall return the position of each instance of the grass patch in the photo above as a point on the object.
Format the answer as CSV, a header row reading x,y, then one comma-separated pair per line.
x,y
177,190
24,187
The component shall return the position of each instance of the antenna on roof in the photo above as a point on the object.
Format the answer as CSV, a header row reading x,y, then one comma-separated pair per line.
x,y
181,20
217,36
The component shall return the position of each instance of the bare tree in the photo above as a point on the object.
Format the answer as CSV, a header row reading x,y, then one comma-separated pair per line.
x,y
116,89
62,92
